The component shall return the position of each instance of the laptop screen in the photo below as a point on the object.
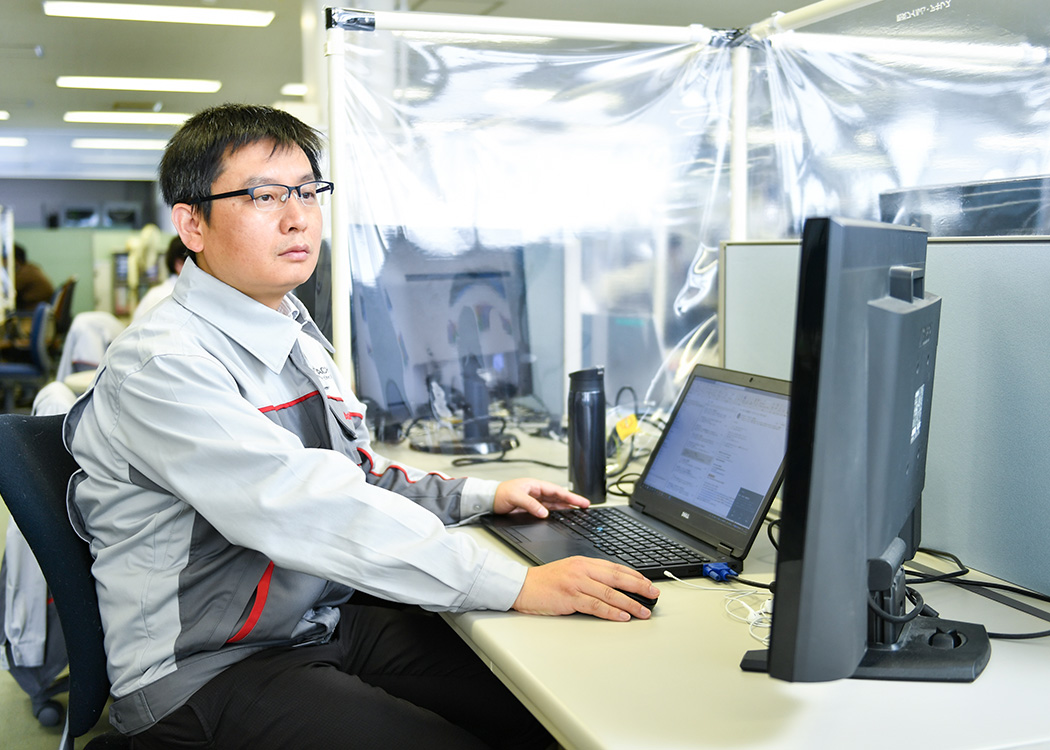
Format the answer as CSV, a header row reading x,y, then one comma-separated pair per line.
x,y
719,453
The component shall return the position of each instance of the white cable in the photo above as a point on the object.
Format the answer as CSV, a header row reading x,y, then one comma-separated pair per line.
x,y
755,619
669,574
761,618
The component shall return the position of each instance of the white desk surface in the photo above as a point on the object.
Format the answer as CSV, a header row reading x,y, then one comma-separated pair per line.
x,y
674,681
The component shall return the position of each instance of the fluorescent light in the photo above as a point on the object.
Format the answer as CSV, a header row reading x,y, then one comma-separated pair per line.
x,y
129,144
14,142
165,13
128,118
184,85
4,114
294,89
111,159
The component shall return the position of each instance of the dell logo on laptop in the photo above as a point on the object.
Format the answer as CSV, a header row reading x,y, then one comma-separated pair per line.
x,y
685,514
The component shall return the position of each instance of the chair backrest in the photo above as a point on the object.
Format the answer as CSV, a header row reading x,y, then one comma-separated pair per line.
x,y
34,472
62,302
40,336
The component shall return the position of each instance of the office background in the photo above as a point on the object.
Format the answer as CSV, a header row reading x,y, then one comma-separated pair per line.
x,y
824,136
877,113
846,115
46,182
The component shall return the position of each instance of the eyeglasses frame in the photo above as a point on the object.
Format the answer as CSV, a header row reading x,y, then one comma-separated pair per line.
x,y
326,186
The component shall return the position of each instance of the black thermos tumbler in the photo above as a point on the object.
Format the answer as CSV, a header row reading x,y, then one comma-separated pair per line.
x,y
587,433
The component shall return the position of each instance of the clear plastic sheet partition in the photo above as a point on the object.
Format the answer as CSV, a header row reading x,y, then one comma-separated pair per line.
x,y
542,205
595,168
933,115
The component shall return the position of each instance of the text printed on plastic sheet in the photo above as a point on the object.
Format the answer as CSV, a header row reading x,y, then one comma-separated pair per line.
x,y
931,8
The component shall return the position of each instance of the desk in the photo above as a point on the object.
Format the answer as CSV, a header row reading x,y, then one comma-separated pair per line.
x,y
676,682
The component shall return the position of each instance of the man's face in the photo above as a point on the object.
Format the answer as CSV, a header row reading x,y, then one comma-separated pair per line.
x,y
264,254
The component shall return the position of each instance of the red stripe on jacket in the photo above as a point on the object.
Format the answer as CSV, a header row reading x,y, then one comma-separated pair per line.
x,y
278,407
261,592
374,473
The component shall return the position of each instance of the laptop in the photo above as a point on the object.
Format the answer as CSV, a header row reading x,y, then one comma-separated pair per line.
x,y
706,487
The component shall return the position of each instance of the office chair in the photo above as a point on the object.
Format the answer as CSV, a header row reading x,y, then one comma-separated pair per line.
x,y
62,310
37,371
33,476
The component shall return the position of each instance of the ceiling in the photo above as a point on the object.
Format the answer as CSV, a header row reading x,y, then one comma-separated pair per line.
x,y
252,64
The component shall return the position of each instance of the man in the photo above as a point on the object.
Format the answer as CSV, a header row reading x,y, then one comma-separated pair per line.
x,y
174,258
32,286
234,503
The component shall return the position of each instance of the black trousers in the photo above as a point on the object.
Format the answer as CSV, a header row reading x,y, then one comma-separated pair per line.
x,y
389,678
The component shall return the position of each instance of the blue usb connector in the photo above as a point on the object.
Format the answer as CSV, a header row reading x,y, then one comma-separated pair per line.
x,y
718,571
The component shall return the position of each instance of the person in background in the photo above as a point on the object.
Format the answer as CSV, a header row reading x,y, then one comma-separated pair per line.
x,y
173,259
32,286
89,335
266,578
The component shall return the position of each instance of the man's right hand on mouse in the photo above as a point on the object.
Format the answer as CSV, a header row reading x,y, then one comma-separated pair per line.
x,y
586,585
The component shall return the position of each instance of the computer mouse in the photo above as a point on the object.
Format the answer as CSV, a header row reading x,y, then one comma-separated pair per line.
x,y
645,601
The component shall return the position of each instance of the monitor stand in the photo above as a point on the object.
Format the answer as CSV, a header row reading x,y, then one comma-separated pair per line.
x,y
477,439
929,649
474,446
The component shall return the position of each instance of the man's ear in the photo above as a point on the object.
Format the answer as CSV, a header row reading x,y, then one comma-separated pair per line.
x,y
189,224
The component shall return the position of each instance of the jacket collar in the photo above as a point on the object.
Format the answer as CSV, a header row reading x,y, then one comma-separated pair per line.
x,y
266,333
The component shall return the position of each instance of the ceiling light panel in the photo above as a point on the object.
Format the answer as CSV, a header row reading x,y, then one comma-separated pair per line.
x,y
183,85
121,144
11,142
160,13
128,118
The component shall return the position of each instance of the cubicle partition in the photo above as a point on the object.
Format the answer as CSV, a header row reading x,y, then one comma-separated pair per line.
x,y
986,473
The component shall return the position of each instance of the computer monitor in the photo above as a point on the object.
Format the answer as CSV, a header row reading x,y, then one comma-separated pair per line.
x,y
439,326
987,208
862,386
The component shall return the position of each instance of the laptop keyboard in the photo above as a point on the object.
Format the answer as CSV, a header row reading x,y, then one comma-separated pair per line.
x,y
616,533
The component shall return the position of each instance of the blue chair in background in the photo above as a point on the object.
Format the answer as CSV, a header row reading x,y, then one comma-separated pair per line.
x,y
31,375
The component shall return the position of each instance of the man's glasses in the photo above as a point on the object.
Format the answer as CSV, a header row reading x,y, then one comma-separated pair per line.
x,y
275,197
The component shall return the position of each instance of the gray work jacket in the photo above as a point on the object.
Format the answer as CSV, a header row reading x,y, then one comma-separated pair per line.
x,y
232,499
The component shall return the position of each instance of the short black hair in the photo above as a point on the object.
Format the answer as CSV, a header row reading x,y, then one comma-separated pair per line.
x,y
193,157
20,254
